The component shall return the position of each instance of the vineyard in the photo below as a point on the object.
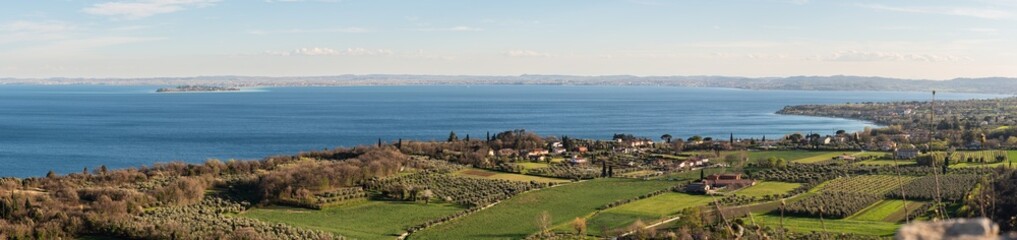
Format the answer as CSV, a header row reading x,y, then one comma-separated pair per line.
x,y
870,184
832,204
951,187
462,190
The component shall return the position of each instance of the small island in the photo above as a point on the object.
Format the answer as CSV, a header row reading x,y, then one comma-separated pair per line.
x,y
197,88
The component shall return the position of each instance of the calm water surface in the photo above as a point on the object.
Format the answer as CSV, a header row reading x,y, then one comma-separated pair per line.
x,y
67,128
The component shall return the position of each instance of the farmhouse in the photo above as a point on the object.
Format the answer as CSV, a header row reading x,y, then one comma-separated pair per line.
x,y
905,153
576,159
725,180
846,157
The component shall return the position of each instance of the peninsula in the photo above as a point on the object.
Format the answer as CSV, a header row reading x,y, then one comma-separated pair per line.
x,y
197,88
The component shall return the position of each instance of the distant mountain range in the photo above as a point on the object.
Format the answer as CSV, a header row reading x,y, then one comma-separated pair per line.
x,y
819,83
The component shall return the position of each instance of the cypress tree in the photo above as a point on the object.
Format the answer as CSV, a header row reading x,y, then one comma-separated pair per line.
x,y
452,137
603,169
946,163
610,171
702,173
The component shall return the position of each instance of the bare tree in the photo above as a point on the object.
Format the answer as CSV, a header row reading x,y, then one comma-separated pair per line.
x,y
544,221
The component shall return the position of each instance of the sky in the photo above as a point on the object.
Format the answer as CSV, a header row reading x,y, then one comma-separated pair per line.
x,y
918,39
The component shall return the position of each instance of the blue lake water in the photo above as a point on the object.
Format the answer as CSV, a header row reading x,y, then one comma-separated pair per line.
x,y
67,128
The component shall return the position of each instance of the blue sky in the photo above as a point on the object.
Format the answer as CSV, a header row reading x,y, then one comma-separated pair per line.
x,y
928,39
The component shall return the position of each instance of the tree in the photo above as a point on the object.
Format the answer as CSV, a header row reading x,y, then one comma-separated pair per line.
x,y
544,221
427,195
695,138
666,137
579,225
452,137
51,174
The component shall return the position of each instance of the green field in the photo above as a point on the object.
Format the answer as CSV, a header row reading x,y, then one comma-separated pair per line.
x,y
767,188
516,217
886,210
481,173
805,225
366,220
649,210
795,156
888,162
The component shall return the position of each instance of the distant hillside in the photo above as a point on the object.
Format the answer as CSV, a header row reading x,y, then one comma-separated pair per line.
x,y
821,83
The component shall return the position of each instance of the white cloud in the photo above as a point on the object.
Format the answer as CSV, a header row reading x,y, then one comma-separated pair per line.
x,y
953,11
19,31
319,51
451,29
144,8
296,1
864,56
316,30
527,53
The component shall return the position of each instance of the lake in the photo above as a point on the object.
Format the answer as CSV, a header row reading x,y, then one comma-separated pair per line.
x,y
67,128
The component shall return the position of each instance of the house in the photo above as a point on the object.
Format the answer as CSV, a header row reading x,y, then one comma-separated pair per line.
x,y
507,152
905,153
581,149
537,152
576,159
887,145
846,157
557,145
725,180
559,150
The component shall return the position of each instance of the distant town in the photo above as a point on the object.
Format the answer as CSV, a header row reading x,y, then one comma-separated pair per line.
x,y
819,83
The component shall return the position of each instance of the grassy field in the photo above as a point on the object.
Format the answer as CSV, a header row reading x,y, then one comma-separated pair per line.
x,y
805,225
888,162
767,188
481,173
886,210
797,156
516,217
649,210
367,220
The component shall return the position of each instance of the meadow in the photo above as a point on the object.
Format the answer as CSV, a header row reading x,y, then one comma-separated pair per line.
x,y
806,225
364,220
648,210
767,188
516,217
887,211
